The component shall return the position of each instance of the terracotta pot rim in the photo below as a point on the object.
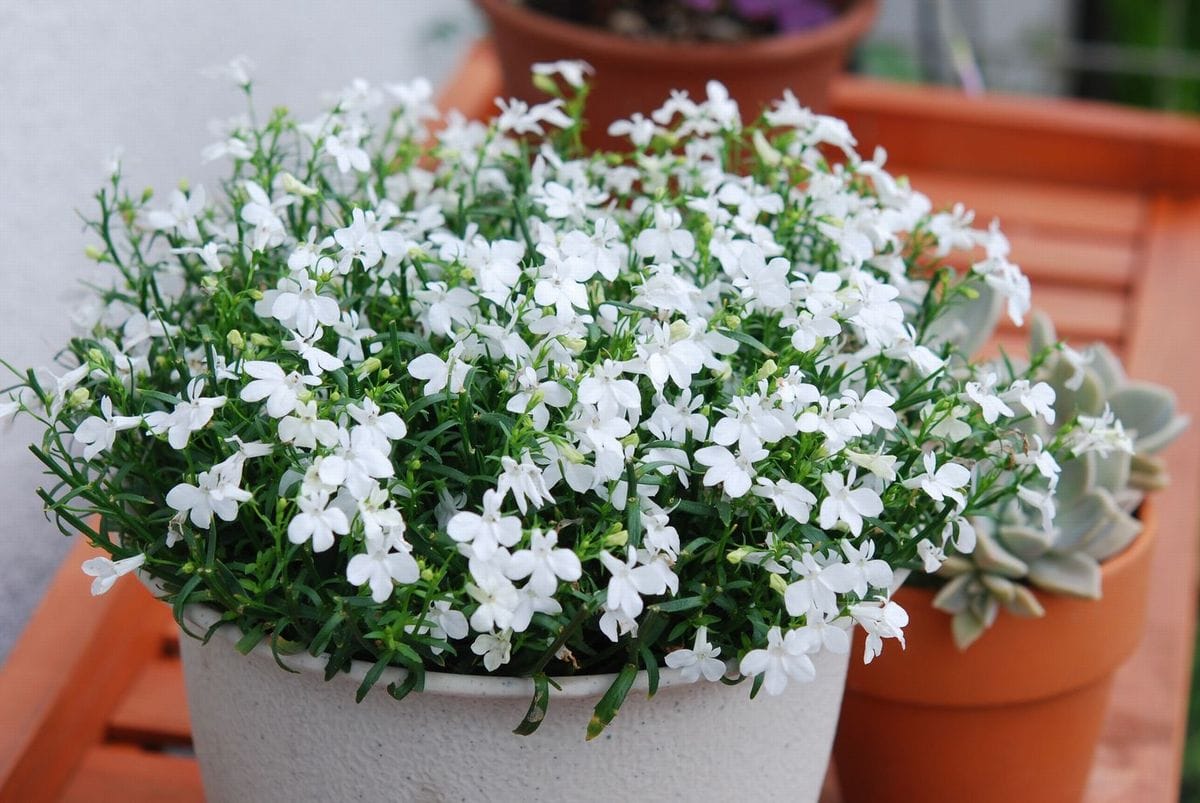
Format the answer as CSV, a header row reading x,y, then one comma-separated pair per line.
x,y
847,27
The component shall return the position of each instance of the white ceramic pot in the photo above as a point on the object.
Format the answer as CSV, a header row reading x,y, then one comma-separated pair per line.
x,y
263,734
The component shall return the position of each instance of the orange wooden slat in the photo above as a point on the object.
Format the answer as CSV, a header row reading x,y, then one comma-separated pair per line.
x,y
1141,753
154,709
1023,203
130,775
1067,257
1039,139
75,658
1081,314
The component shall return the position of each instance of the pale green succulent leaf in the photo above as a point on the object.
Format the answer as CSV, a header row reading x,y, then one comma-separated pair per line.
x,y
1148,413
1023,542
990,556
1074,574
954,597
1025,603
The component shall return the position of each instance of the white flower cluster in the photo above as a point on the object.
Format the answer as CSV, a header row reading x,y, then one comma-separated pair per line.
x,y
705,387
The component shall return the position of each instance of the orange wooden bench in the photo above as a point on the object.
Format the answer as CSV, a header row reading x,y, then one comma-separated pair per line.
x,y
1103,209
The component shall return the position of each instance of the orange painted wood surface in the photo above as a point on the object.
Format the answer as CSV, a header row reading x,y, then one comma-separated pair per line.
x,y
1102,206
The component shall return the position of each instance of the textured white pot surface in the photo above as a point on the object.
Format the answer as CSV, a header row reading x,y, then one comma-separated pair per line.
x,y
263,734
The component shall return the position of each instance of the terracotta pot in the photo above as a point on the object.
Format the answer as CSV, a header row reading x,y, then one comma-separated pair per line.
x,y
262,734
636,75
1014,718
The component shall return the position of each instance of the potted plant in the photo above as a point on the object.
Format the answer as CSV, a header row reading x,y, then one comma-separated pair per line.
x,y
641,50
520,436
1013,651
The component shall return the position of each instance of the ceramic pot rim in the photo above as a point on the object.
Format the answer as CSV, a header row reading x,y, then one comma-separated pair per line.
x,y
203,617
848,26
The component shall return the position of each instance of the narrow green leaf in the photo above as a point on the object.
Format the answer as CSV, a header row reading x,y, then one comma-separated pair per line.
x,y
371,677
611,702
537,706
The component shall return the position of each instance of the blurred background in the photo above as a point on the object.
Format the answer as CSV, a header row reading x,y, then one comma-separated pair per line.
x,y
80,79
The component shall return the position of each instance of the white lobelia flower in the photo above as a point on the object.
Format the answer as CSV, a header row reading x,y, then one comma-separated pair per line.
x,y
869,572
317,521
668,353
189,415
819,584
1102,434
296,304
732,472
356,463
495,649
524,480
667,239
180,217
530,602
880,621
498,601
847,504
263,214
543,563
932,556
571,70
701,659
98,433
343,147
213,493
983,394
638,128
319,361
439,374
790,498
611,394
304,430
534,396
381,569
784,658
496,266
442,622
1038,399
628,582
487,531
382,427
281,390
941,483
106,572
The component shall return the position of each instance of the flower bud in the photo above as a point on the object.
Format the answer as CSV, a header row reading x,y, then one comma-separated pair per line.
x,y
235,339
260,340
630,440
295,186
766,152
546,84
369,366
680,330
79,397
255,294
572,454
767,370
738,555
778,583
574,344
384,373
619,538
93,253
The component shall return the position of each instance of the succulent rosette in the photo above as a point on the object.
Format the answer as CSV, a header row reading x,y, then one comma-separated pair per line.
x,y
460,396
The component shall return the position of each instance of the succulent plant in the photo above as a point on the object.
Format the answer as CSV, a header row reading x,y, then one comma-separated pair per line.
x,y
1098,494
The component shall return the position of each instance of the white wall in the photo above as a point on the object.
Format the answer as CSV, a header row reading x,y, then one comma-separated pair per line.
x,y
79,78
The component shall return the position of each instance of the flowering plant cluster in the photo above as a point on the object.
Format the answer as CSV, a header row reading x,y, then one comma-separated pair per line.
x,y
474,400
